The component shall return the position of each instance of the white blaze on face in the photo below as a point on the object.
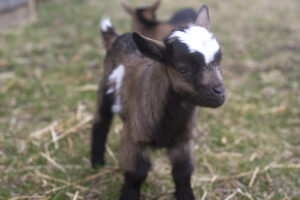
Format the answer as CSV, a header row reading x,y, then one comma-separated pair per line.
x,y
115,81
198,39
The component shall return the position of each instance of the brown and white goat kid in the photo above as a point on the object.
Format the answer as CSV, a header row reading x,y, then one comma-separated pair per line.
x,y
144,21
156,94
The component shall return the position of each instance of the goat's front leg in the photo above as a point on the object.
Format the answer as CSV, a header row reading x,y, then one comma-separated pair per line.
x,y
136,164
182,168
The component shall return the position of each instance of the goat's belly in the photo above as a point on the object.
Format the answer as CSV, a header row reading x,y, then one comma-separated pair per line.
x,y
167,139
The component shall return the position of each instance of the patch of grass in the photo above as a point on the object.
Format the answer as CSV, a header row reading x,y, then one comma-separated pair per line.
x,y
49,70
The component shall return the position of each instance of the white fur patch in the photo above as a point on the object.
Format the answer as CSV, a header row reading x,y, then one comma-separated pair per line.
x,y
115,80
199,39
105,24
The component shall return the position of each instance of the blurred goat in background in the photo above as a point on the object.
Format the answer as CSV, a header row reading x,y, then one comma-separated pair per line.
x,y
144,20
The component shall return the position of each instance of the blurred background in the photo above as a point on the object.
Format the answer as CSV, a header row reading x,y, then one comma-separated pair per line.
x,y
51,57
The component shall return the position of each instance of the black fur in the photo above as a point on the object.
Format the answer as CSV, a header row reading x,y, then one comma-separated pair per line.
x,y
179,57
125,43
149,49
169,123
172,126
183,16
133,180
181,172
180,53
100,129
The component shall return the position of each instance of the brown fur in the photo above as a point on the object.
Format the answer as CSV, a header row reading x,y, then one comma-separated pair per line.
x,y
143,95
158,105
158,30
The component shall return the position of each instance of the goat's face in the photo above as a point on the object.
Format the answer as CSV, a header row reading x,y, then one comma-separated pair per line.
x,y
192,56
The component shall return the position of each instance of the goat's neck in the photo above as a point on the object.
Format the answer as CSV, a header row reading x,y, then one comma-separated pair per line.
x,y
156,91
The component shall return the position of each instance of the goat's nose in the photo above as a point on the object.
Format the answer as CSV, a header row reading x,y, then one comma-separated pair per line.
x,y
220,90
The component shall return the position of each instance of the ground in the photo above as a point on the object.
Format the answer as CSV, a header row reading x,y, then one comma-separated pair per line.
x,y
49,71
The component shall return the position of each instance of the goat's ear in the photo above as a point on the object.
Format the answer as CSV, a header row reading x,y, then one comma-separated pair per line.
x,y
155,5
130,10
151,48
203,18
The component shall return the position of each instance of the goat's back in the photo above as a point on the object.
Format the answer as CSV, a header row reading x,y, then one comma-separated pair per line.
x,y
123,51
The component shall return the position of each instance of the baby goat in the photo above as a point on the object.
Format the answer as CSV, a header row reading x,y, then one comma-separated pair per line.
x,y
156,94
144,20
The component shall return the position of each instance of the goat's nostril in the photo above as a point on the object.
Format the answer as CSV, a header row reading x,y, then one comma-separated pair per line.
x,y
219,89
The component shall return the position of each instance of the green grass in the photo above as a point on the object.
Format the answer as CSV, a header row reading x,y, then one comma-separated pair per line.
x,y
48,73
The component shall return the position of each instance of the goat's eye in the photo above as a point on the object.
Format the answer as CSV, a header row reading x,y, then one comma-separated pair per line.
x,y
182,69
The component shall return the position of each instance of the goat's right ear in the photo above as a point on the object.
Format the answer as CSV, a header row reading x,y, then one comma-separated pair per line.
x,y
130,10
151,48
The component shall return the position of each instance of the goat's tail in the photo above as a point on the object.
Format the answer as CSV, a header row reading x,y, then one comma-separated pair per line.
x,y
109,35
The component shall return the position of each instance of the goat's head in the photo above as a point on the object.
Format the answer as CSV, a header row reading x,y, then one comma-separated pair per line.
x,y
192,57
142,17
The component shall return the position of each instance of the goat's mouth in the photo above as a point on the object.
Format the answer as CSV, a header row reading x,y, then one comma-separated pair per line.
x,y
210,101
216,102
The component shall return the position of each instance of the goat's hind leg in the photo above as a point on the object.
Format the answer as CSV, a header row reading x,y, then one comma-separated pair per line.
x,y
101,124
182,168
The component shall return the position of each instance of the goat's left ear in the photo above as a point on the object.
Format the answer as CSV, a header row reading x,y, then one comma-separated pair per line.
x,y
155,5
130,10
153,49
203,18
